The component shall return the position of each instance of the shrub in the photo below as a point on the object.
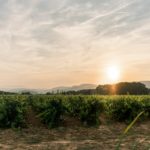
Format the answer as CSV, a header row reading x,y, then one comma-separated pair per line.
x,y
124,108
86,108
146,106
12,113
50,111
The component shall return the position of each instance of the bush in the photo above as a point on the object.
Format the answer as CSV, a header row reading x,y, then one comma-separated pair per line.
x,y
124,108
146,106
86,108
49,109
12,113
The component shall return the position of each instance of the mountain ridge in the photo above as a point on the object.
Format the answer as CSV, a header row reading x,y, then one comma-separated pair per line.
x,y
61,88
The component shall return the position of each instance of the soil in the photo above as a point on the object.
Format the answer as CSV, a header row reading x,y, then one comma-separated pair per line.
x,y
104,137
32,118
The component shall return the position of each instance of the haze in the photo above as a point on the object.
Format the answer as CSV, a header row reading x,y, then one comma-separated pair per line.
x,y
47,43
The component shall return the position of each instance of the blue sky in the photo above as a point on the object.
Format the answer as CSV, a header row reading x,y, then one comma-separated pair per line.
x,y
46,43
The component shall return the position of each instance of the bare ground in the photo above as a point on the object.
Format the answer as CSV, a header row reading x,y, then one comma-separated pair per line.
x,y
105,137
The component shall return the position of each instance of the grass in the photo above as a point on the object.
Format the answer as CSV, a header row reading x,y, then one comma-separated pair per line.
x,y
127,130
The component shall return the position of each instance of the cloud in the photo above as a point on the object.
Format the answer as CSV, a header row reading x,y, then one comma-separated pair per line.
x,y
44,38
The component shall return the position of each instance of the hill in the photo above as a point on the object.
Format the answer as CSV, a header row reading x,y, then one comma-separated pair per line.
x,y
61,88
74,88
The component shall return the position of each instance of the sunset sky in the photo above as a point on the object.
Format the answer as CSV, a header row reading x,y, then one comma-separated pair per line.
x,y
48,43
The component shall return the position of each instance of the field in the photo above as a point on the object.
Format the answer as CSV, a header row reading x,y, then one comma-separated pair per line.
x,y
73,122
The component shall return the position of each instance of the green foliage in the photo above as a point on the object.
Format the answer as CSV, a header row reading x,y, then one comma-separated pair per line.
x,y
12,112
52,113
90,112
86,108
125,108
146,106
51,109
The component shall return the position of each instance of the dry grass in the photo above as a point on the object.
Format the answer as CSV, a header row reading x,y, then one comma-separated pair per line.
x,y
77,138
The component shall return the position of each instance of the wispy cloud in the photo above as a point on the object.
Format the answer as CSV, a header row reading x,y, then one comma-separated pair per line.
x,y
48,42
111,12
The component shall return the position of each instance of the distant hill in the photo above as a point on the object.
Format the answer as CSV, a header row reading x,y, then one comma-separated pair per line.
x,y
60,89
22,90
147,83
74,88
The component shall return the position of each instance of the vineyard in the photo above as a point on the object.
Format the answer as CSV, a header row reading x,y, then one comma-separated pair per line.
x,y
52,110
74,122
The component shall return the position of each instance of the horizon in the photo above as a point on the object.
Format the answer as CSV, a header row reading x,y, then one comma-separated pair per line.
x,y
48,43
70,86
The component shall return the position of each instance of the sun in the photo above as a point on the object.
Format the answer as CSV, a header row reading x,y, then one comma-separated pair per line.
x,y
113,73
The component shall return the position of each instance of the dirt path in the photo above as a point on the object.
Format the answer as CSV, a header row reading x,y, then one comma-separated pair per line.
x,y
76,138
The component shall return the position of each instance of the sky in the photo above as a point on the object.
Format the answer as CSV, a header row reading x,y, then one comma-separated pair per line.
x,y
48,43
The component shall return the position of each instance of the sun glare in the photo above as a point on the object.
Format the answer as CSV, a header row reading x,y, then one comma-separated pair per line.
x,y
113,73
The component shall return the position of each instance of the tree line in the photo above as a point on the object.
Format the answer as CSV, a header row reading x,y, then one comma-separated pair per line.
x,y
122,88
